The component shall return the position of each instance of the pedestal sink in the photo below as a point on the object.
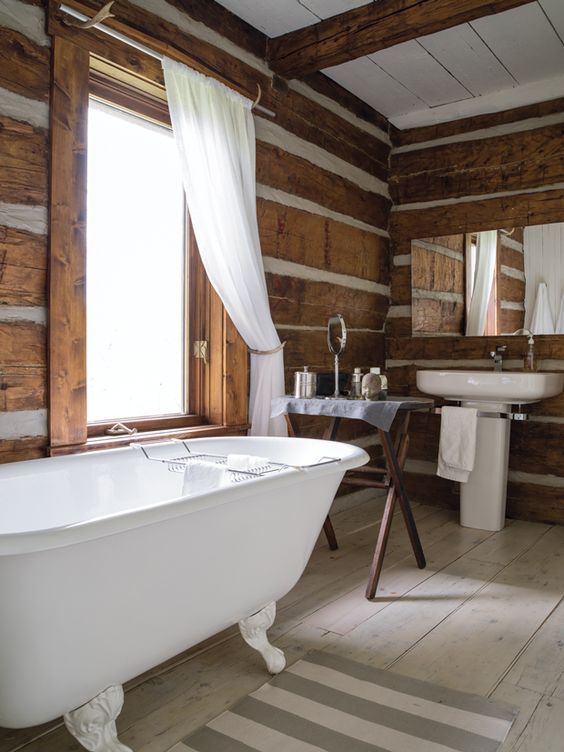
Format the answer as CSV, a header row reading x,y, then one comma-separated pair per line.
x,y
483,498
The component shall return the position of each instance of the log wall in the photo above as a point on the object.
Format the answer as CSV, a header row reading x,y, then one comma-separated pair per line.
x,y
489,172
323,202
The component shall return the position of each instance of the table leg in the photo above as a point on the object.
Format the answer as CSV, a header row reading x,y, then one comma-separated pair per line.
x,y
380,549
329,435
397,480
395,460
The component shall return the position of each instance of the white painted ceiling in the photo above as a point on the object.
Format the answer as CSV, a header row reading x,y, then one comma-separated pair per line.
x,y
494,63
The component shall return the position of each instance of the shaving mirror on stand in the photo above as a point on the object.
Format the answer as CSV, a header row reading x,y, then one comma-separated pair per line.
x,y
336,341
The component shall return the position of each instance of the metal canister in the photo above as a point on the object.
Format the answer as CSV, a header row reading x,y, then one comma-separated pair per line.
x,y
305,384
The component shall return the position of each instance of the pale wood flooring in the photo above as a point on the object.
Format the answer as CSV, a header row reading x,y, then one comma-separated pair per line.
x,y
486,616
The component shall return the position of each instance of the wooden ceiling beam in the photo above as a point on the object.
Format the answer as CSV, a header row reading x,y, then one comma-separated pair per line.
x,y
370,28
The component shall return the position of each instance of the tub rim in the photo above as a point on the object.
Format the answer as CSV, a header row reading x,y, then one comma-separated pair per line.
x,y
61,536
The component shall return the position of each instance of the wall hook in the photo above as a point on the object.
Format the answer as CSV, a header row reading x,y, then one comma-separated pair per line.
x,y
259,97
102,15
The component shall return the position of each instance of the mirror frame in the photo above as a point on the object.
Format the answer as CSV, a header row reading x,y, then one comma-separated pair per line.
x,y
335,319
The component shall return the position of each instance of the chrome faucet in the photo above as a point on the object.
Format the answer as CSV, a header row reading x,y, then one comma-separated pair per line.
x,y
497,356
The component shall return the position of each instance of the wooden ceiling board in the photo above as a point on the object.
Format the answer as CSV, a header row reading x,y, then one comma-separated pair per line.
x,y
524,41
554,9
372,84
273,17
463,53
411,65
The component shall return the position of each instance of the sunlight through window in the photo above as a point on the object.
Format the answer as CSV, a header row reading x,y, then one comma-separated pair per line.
x,y
136,270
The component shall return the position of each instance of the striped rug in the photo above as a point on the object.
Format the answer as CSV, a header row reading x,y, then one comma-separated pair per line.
x,y
324,703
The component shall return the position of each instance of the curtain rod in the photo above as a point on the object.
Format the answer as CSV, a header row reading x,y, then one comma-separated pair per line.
x,y
139,46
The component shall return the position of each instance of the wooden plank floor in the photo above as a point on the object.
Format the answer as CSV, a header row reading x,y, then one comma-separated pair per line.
x,y
486,616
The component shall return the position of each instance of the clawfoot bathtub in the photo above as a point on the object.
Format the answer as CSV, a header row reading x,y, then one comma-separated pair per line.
x,y
108,568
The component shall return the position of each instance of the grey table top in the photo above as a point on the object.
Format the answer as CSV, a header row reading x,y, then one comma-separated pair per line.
x,y
379,413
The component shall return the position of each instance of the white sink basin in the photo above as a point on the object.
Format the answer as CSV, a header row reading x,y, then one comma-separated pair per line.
x,y
489,386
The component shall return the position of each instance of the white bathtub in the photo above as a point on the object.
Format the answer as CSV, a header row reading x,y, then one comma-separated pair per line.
x,y
107,570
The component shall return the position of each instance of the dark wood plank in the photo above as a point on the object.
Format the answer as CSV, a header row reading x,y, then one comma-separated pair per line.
x,y
401,285
24,65
309,347
509,320
23,155
23,388
372,27
17,450
23,267
537,448
67,312
539,208
310,303
399,327
512,258
470,348
22,344
310,239
435,272
534,502
478,122
432,490
432,316
284,171
511,289
511,162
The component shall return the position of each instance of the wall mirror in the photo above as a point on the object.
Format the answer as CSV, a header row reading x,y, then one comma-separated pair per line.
x,y
489,283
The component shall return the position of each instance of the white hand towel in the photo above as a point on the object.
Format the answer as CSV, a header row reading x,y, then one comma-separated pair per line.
x,y
542,320
246,463
202,477
457,446
559,328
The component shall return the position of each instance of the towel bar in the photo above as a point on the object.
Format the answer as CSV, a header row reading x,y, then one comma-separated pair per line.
x,y
496,414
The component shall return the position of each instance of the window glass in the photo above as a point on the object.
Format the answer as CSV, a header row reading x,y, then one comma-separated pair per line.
x,y
136,261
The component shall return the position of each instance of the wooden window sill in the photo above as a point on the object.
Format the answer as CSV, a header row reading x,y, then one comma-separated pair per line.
x,y
116,442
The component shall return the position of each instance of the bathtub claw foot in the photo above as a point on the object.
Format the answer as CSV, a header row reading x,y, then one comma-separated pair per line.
x,y
253,630
94,724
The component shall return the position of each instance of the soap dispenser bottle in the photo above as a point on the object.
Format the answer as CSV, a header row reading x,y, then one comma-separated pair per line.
x,y
530,362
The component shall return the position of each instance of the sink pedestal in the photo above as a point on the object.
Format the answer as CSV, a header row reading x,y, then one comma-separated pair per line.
x,y
483,497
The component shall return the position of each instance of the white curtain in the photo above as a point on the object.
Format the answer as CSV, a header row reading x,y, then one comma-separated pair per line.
x,y
214,130
559,328
483,276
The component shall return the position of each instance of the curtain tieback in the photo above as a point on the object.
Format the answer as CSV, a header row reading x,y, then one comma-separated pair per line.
x,y
268,352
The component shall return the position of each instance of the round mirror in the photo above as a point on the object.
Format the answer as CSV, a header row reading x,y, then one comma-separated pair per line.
x,y
336,334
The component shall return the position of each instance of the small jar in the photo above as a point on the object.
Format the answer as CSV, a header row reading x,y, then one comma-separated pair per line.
x,y
356,383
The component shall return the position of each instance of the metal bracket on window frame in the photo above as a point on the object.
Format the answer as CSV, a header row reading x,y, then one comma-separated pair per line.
x,y
119,429
200,350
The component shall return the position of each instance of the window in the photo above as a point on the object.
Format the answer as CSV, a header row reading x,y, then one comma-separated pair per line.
x,y
135,331
129,299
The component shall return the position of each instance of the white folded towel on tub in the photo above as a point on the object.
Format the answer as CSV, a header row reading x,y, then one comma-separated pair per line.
x,y
246,463
457,445
200,477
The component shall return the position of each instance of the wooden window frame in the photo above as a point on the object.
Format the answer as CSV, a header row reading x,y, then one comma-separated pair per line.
x,y
218,390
